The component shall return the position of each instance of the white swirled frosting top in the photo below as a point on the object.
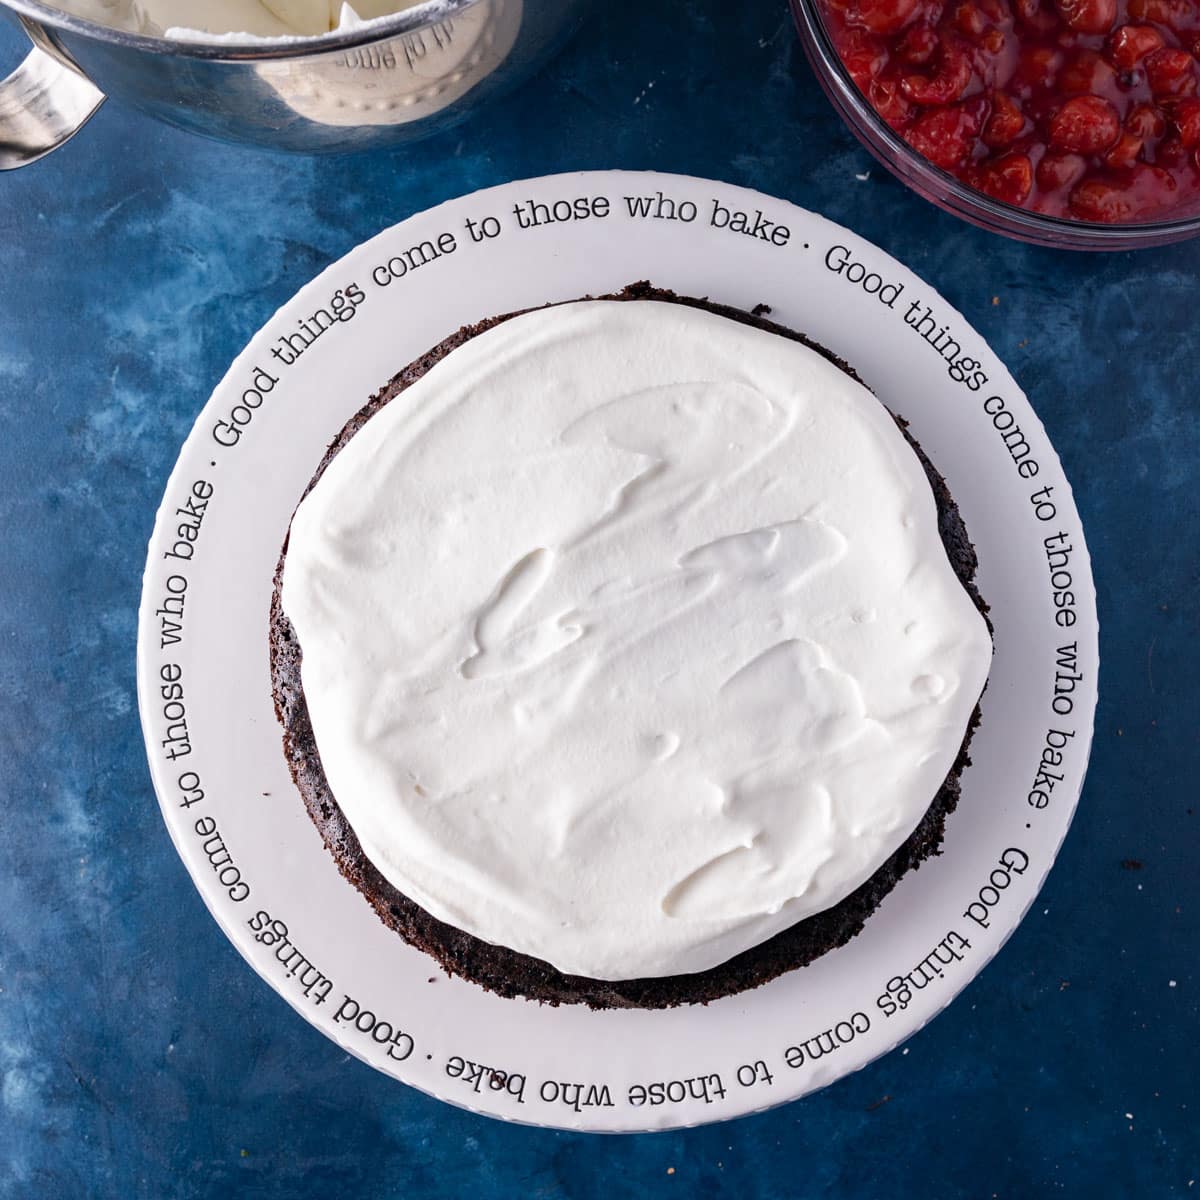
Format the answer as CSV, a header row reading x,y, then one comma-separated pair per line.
x,y
628,637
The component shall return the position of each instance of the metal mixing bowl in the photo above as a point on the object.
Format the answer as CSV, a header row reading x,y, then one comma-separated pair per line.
x,y
396,80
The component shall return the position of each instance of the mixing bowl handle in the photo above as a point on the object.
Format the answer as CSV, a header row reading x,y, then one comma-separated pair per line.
x,y
42,104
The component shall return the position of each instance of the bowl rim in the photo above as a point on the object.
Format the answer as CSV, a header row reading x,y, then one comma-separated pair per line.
x,y
409,20
946,190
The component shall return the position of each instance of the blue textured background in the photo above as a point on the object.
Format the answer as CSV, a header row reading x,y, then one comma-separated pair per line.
x,y
140,1058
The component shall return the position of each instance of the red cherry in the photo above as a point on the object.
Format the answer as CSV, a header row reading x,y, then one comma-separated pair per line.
x,y
1146,190
949,81
1006,123
886,99
1170,153
1169,72
864,56
1009,178
976,110
1124,152
1131,43
1186,117
1086,124
1145,122
917,46
1059,170
970,19
1099,200
944,136
882,16
1088,16
997,11
1038,66
1086,72
1035,16
1180,15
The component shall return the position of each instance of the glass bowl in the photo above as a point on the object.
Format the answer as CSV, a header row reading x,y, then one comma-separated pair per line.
x,y
942,188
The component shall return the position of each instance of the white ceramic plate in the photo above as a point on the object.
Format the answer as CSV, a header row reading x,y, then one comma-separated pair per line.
x,y
214,745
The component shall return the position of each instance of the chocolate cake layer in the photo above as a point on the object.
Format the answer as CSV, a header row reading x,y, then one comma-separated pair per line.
x,y
508,972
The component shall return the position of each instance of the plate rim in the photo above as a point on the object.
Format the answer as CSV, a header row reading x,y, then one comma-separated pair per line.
x,y
144,655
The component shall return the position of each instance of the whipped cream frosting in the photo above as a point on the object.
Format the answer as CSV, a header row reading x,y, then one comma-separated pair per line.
x,y
628,637
250,18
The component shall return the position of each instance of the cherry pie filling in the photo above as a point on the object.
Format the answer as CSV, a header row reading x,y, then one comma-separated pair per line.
x,y
1086,109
